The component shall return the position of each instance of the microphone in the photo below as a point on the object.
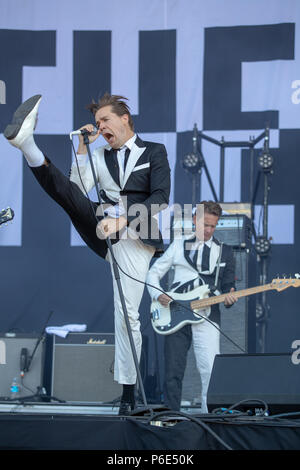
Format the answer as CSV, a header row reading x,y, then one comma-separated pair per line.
x,y
24,360
84,131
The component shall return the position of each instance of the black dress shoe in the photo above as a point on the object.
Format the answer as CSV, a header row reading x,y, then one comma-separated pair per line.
x,y
126,408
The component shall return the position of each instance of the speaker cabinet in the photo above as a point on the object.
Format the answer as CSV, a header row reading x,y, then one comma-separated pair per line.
x,y
272,378
237,322
11,345
80,368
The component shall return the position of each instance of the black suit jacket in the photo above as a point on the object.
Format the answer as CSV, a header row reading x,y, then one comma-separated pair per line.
x,y
144,190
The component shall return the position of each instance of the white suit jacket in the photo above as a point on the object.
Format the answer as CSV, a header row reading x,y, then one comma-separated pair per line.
x,y
178,256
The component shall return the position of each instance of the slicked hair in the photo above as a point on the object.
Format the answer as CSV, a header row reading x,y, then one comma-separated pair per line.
x,y
117,103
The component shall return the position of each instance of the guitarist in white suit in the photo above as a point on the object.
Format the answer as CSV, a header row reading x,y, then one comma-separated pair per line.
x,y
195,259
134,177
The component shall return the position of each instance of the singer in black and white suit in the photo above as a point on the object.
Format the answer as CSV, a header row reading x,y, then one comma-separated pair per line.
x,y
134,178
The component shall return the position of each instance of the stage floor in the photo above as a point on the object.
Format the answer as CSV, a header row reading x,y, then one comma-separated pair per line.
x,y
40,426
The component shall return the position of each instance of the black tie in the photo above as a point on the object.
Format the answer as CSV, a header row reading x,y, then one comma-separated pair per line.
x,y
205,258
195,257
114,153
127,152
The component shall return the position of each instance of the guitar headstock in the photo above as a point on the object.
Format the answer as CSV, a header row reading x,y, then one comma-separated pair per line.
x,y
6,215
284,283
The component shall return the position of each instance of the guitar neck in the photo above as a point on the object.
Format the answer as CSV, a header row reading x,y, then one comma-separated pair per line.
x,y
207,302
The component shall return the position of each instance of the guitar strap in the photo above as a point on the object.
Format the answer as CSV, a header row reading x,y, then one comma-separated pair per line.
x,y
218,269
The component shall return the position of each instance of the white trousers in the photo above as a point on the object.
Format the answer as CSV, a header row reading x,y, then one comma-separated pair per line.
x,y
206,344
134,258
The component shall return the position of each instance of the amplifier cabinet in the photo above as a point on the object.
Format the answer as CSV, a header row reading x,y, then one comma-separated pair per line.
x,y
80,368
237,322
234,230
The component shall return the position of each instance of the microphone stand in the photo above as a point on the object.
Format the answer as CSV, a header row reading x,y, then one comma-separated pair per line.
x,y
116,274
40,393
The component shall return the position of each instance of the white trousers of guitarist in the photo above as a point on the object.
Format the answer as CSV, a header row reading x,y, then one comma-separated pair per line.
x,y
206,344
134,257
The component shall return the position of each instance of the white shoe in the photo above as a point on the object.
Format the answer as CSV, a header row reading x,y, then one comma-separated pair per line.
x,y
23,122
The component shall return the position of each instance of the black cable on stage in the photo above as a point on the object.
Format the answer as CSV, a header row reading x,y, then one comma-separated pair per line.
x,y
285,415
190,418
232,407
145,283
231,411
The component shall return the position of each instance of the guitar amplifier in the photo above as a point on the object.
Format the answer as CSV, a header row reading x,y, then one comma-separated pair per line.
x,y
233,229
80,368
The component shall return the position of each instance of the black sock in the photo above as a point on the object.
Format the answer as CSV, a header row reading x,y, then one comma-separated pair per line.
x,y
128,393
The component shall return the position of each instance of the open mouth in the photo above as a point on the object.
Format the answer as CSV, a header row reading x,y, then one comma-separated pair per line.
x,y
108,136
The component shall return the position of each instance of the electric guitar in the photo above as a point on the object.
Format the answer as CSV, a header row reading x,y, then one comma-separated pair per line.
x,y
194,306
6,215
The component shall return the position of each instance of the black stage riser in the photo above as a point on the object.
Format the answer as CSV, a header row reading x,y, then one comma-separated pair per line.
x,y
20,431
